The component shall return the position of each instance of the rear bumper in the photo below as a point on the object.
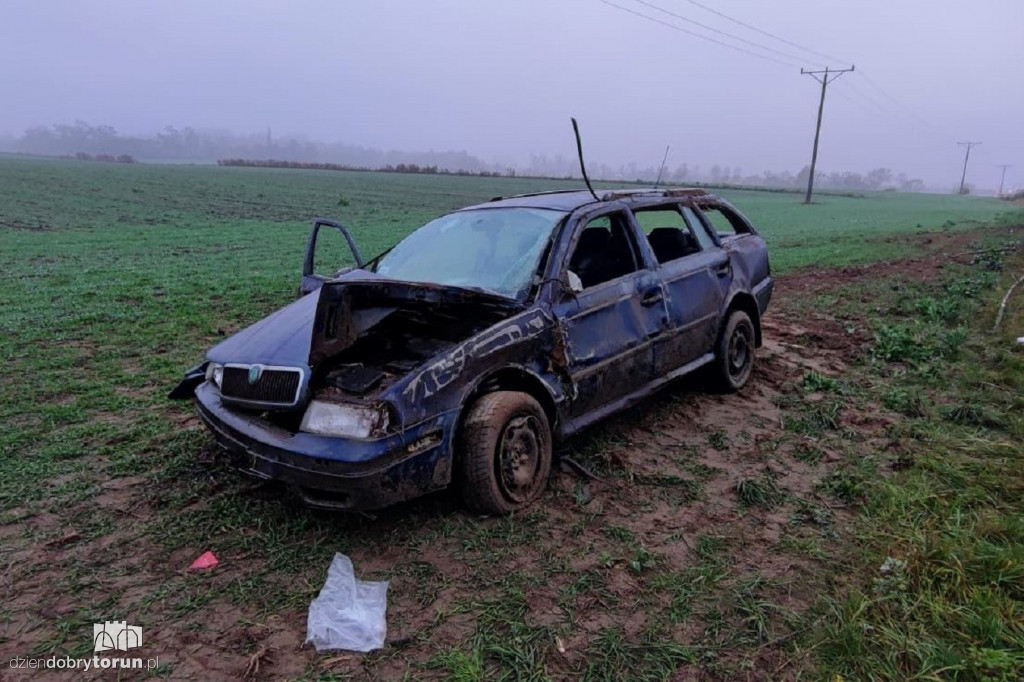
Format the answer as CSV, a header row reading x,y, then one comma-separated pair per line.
x,y
337,473
763,293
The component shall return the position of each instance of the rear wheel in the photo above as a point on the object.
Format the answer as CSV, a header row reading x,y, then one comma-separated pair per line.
x,y
734,355
505,452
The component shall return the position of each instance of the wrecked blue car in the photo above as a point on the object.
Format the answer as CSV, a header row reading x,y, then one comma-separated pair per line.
x,y
461,354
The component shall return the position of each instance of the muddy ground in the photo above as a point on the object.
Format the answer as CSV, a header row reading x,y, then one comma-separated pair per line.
x,y
594,554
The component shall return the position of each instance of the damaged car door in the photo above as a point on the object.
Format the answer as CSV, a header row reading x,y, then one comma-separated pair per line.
x,y
696,272
327,256
615,308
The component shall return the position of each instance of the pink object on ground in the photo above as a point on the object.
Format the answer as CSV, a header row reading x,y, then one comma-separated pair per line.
x,y
206,560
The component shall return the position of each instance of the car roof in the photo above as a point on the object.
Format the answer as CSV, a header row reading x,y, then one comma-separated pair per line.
x,y
571,199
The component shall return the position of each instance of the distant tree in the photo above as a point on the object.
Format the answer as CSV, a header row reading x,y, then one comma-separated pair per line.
x,y
802,177
878,178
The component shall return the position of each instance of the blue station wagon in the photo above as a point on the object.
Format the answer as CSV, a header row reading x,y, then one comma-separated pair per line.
x,y
460,355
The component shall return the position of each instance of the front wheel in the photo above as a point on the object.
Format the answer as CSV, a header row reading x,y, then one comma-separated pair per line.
x,y
505,452
734,354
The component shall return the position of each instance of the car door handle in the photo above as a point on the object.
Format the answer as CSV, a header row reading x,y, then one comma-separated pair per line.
x,y
651,298
725,268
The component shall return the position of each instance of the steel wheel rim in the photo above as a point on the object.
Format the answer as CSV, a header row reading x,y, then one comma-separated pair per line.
x,y
739,351
519,453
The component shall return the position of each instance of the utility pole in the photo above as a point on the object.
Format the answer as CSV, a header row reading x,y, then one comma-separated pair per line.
x,y
1004,166
966,156
824,77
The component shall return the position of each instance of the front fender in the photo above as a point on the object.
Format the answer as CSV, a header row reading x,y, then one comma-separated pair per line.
x,y
187,387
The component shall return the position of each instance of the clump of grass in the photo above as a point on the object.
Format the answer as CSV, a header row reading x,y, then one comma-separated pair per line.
x,y
807,453
823,416
899,343
815,382
611,656
643,559
619,533
848,486
944,309
971,414
756,612
762,491
459,665
905,401
808,514
719,440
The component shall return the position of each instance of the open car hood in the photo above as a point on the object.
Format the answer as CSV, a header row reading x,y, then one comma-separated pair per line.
x,y
347,308
322,324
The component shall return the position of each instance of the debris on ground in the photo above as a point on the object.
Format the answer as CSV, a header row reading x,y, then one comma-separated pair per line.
x,y
348,613
204,561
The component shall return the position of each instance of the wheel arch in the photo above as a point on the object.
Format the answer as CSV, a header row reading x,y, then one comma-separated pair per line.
x,y
513,378
748,304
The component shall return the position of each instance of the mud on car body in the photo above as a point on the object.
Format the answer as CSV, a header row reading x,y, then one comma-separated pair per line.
x,y
461,354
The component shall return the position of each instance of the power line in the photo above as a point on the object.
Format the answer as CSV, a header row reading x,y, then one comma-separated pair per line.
x,y
860,104
826,77
698,35
966,156
766,33
895,101
723,33
884,109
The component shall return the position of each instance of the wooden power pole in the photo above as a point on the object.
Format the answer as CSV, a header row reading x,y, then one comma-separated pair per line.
x,y
824,77
1002,177
963,177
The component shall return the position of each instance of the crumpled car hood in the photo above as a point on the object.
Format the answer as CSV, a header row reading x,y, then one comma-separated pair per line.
x,y
281,338
321,324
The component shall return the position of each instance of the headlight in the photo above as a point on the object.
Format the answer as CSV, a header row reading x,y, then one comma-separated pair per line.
x,y
214,373
336,419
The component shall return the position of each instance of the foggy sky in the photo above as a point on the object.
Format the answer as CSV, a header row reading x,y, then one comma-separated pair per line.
x,y
501,79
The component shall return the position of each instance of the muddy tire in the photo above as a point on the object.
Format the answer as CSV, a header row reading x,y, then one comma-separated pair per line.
x,y
504,452
734,354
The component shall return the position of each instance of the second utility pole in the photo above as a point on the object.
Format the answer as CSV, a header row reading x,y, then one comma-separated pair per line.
x,y
827,76
1004,166
966,156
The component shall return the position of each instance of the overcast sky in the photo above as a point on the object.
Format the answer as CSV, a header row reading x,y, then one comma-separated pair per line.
x,y
500,79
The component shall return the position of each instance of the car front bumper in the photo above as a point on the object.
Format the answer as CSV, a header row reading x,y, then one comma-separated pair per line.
x,y
336,473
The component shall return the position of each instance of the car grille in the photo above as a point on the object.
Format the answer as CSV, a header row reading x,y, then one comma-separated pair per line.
x,y
274,386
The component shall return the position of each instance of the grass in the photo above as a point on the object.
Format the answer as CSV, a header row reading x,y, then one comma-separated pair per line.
x,y
118,278
944,594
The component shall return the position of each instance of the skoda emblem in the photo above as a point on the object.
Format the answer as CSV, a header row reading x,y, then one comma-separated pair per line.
x,y
254,373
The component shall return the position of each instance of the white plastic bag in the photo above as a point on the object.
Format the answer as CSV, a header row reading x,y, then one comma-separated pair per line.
x,y
348,613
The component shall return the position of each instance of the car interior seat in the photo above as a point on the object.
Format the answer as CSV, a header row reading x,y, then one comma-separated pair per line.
x,y
589,260
670,243
620,255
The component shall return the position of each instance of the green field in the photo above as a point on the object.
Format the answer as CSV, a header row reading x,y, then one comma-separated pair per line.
x,y
118,277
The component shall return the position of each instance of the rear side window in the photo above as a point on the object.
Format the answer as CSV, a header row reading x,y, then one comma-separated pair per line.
x,y
699,229
670,235
724,221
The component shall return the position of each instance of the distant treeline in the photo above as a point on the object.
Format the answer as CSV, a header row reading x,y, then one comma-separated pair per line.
x,y
434,170
399,168
192,145
102,142
108,158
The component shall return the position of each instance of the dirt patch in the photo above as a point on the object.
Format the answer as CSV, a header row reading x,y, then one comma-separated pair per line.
x,y
938,250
